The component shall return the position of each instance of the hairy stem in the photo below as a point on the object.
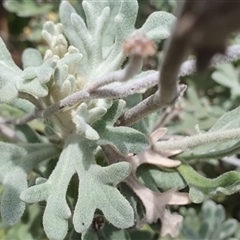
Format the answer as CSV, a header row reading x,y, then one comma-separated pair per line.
x,y
132,68
31,99
187,68
140,110
197,140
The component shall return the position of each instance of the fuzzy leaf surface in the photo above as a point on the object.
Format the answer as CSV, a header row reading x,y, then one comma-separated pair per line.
x,y
9,75
227,183
158,26
16,163
155,178
96,190
125,139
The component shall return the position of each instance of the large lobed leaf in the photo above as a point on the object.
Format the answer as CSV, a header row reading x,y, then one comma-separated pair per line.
x,y
96,190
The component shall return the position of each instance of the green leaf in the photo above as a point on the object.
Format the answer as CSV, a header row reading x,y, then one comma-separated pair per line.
x,y
155,178
226,76
26,8
227,183
90,234
16,162
31,58
125,139
6,59
158,26
111,232
228,228
53,191
9,75
96,190
65,12
33,87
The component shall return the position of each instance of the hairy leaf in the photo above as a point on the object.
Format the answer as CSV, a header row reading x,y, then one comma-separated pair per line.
x,y
16,162
158,26
31,58
96,190
227,183
125,139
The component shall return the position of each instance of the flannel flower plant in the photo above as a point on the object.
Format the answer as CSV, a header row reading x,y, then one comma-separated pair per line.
x,y
86,91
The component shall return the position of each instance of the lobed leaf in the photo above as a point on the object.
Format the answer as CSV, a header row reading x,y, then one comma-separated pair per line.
x,y
53,191
96,190
125,139
227,183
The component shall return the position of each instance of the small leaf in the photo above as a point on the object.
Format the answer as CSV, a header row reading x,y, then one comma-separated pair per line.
x,y
158,26
27,8
228,228
33,87
31,58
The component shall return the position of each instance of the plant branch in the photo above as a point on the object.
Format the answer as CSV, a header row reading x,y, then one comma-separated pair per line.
x,y
31,99
132,68
146,107
198,29
137,112
153,103
197,140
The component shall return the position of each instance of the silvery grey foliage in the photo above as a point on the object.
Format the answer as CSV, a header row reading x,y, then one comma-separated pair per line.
x,y
86,96
72,87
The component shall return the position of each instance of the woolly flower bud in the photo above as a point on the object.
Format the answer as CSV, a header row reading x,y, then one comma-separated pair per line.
x,y
139,45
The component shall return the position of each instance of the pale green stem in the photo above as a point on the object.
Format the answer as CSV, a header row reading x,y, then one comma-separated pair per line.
x,y
31,99
197,140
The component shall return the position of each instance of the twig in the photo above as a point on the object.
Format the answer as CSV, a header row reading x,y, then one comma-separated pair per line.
x,y
132,68
31,99
187,68
146,107
130,88
22,120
